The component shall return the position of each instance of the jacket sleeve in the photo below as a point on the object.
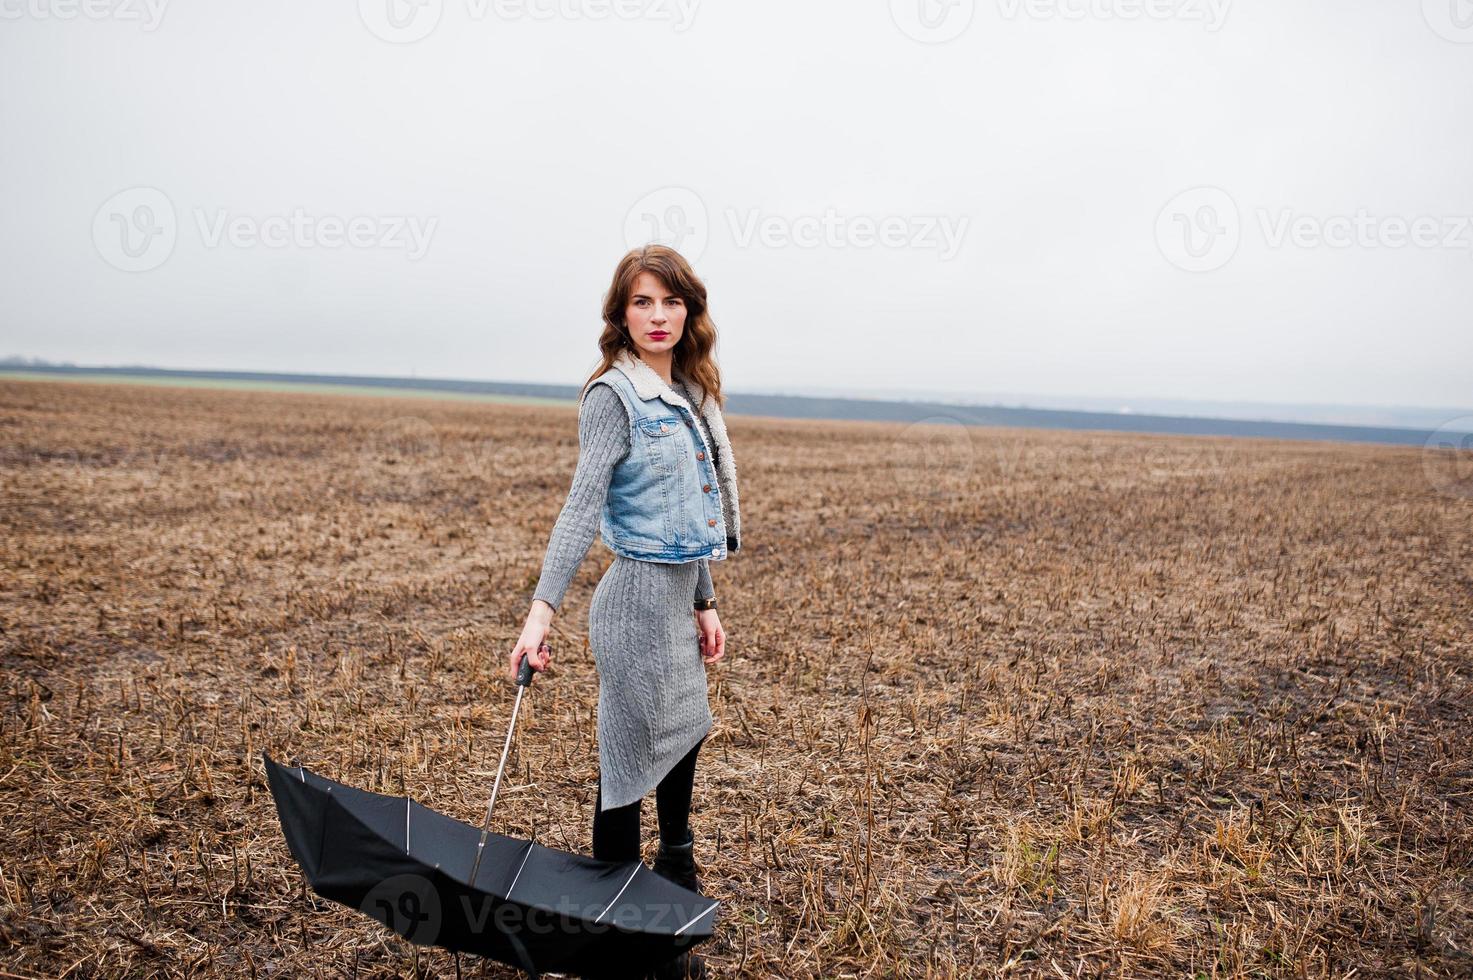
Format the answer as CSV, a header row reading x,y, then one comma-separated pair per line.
x,y
603,440
704,588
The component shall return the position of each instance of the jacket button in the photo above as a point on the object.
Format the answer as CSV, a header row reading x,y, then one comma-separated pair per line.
x,y
700,455
706,488
664,427
711,522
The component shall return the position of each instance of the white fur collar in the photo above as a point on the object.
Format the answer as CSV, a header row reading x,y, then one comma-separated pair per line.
x,y
647,384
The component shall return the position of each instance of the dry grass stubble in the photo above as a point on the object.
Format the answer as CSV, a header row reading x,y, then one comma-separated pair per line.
x,y
996,701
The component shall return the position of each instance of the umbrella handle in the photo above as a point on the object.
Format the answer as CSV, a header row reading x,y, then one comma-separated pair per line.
x,y
525,671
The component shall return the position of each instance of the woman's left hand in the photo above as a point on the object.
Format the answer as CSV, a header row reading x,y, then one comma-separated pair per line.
x,y
713,637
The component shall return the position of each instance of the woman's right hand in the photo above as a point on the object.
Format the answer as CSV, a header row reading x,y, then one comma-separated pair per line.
x,y
533,642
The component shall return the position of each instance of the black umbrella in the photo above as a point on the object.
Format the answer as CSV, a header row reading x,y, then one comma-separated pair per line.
x,y
440,882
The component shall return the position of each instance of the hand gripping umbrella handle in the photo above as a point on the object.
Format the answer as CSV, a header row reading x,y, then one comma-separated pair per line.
x,y
525,671
524,681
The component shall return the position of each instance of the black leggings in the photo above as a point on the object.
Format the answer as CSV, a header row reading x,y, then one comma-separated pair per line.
x,y
616,830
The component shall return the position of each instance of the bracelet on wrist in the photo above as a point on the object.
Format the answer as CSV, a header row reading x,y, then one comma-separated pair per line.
x,y
703,604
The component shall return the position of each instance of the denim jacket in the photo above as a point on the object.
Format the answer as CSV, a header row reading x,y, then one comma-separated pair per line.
x,y
673,498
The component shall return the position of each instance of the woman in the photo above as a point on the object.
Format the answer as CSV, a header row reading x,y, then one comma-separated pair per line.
x,y
656,477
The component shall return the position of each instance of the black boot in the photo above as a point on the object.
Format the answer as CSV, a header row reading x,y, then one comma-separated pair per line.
x,y
677,863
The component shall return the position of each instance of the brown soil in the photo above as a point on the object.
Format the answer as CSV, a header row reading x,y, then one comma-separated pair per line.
x,y
995,701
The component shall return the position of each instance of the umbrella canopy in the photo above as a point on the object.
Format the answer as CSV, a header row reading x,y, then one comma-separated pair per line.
x,y
530,906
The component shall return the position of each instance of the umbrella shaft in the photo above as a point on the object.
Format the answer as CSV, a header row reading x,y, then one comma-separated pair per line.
x,y
505,748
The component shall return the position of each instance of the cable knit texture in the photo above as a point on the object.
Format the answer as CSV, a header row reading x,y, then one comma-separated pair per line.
x,y
652,705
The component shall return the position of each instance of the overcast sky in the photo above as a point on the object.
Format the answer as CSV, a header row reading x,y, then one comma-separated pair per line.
x,y
1255,201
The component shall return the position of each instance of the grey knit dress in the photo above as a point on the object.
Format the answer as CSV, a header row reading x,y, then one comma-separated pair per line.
x,y
652,706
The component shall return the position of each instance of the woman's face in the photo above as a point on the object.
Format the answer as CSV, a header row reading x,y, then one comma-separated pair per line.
x,y
655,315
